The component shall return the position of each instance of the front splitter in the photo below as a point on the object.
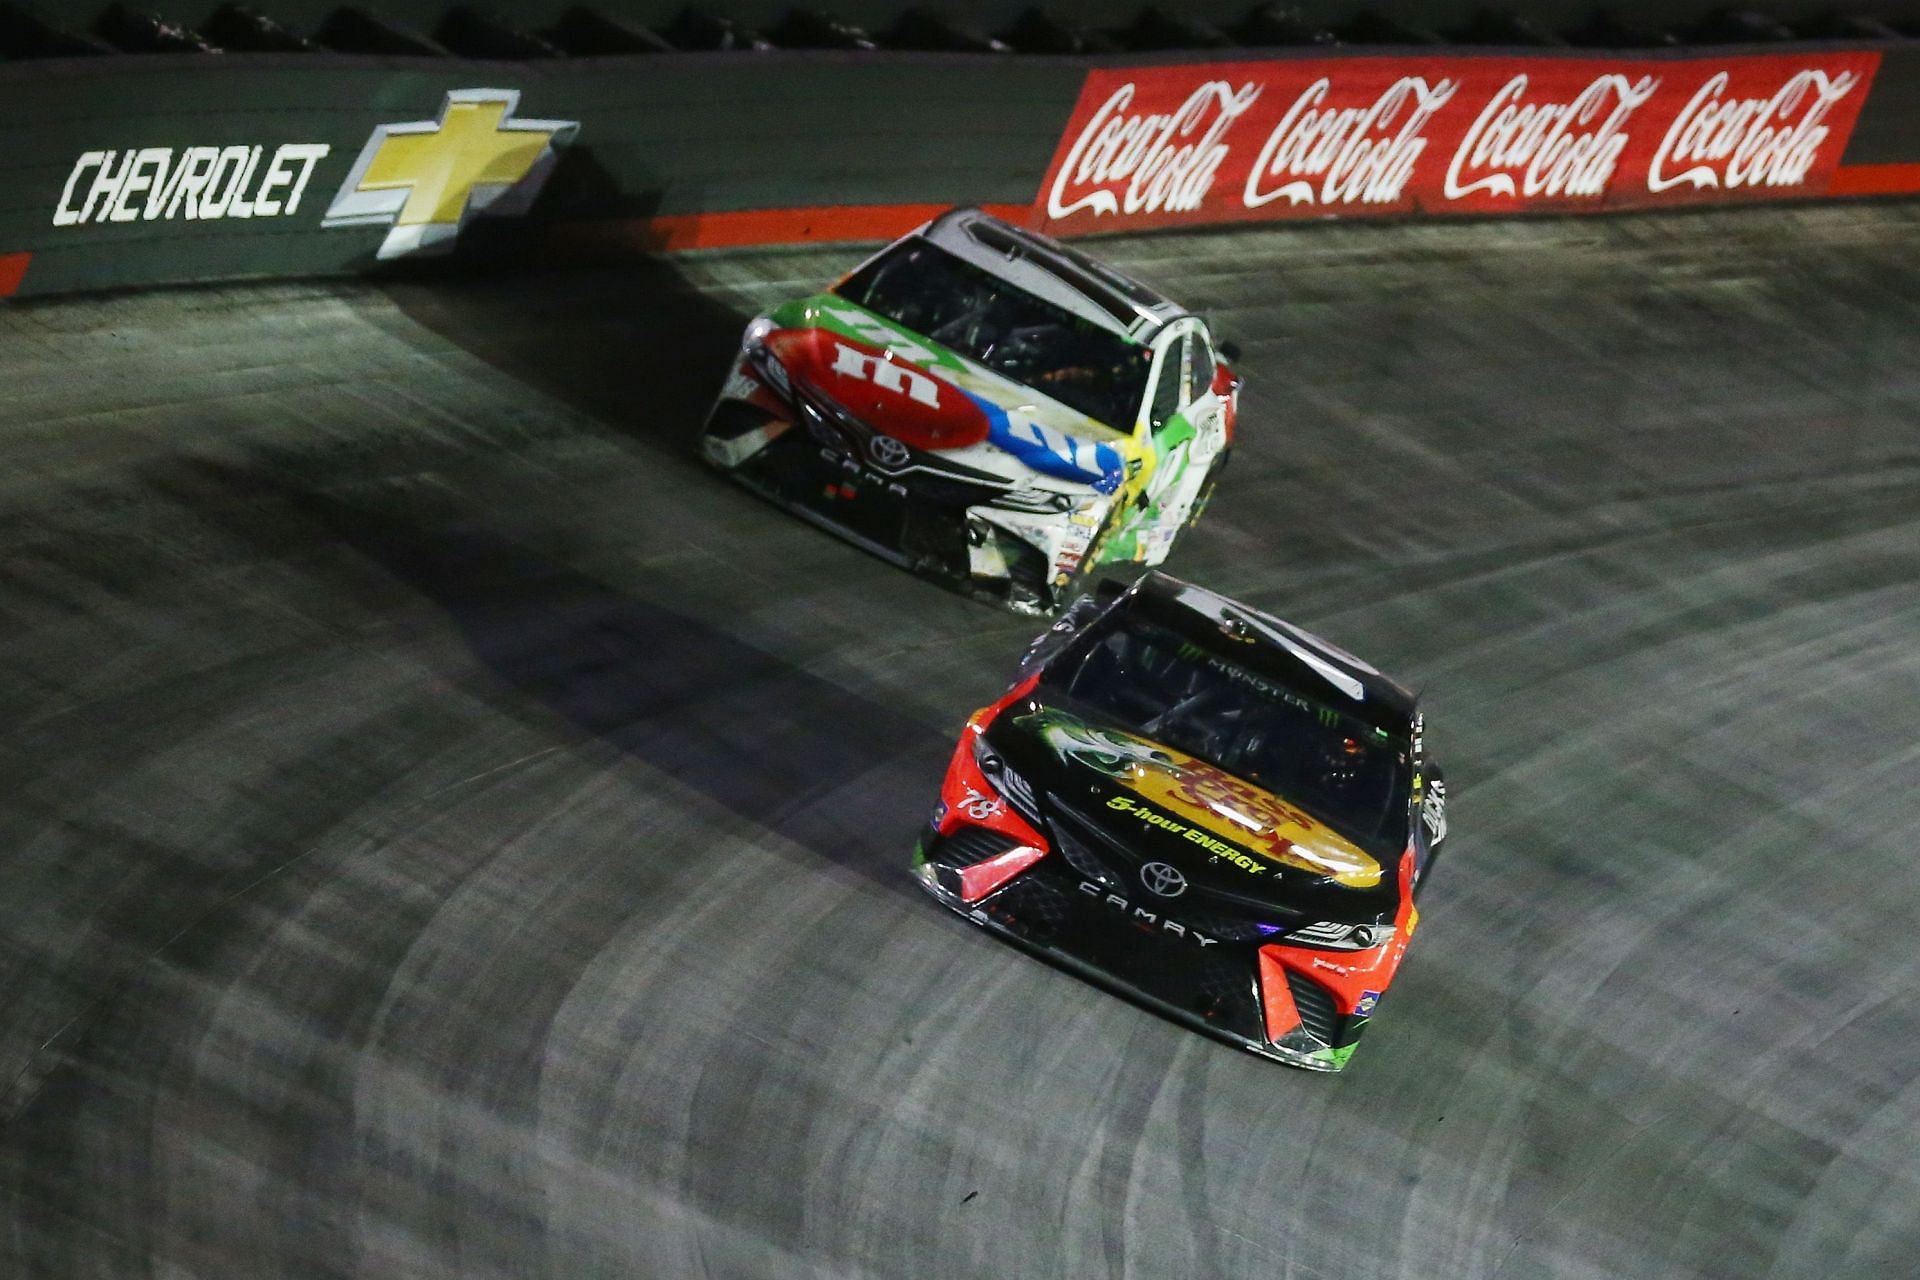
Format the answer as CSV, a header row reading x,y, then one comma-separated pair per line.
x,y
976,913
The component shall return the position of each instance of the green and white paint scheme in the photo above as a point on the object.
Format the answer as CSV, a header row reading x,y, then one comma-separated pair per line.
x,y
1155,470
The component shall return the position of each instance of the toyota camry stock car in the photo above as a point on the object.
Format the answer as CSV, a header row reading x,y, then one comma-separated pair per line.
x,y
1204,807
985,405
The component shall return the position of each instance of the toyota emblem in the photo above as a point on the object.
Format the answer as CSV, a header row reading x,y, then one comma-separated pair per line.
x,y
888,454
1164,879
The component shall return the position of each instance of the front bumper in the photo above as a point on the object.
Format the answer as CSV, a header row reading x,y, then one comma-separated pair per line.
x,y
1213,989
933,524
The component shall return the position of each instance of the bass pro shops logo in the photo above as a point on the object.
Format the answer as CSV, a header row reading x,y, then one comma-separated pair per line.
x,y
424,178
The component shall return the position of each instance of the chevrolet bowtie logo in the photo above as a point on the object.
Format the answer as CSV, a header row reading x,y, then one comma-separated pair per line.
x,y
424,178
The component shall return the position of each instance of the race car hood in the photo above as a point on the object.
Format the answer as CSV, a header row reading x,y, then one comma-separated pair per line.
x,y
917,391
1219,830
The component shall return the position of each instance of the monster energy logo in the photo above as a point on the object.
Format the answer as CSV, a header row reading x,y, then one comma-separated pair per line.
x,y
1266,688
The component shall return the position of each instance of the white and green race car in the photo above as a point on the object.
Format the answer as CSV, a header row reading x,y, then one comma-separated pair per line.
x,y
983,404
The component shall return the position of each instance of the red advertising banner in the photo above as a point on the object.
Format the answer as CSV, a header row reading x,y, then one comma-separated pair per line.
x,y
1221,142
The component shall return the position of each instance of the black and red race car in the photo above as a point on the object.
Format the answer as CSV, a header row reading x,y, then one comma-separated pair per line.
x,y
1204,807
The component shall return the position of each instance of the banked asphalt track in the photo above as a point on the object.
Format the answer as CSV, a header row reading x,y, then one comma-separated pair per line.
x,y
446,832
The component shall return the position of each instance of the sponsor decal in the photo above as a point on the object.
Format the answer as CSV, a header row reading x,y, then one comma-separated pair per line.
x,y
888,454
1527,144
1323,656
1053,452
885,396
1198,801
1220,850
900,379
1267,689
1363,1007
1330,155
980,806
1132,162
1233,141
1721,139
424,178
190,184
1144,916
1164,879
954,401
1433,811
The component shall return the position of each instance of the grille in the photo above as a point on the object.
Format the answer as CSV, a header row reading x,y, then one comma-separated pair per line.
x,y
825,423
1019,793
833,426
1216,913
1035,903
1214,925
1081,857
1224,982
1215,983
1110,851
1315,1004
970,845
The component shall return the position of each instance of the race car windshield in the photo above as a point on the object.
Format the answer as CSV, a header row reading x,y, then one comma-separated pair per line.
x,y
1151,681
1073,360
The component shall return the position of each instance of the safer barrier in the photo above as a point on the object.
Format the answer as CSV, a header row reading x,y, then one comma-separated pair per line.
x,y
122,172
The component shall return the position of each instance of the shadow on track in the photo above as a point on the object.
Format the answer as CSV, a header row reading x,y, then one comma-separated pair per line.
x,y
835,772
635,346
641,350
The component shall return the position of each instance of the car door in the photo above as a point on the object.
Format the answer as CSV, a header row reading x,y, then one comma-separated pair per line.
x,y
1180,434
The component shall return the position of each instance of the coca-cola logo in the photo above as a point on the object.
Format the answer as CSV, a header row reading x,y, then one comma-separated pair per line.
x,y
1176,145
1557,148
1749,142
1356,154
1147,162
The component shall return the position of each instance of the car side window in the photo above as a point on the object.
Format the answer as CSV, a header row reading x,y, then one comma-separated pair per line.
x,y
1170,392
1202,365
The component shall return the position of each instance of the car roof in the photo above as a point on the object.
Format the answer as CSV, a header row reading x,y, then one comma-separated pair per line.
x,y
1277,650
1043,266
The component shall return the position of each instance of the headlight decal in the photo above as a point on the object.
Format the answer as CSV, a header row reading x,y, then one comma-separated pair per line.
x,y
1044,502
1006,781
1337,936
982,878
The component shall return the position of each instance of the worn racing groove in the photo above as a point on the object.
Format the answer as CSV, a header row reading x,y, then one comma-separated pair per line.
x,y
448,830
